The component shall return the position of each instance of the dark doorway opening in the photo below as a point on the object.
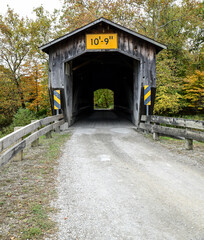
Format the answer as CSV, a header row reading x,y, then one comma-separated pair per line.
x,y
94,71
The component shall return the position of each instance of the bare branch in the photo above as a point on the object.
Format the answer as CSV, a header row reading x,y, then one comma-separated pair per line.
x,y
174,20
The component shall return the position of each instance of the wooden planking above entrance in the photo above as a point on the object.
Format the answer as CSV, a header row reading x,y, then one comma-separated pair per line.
x,y
47,46
130,44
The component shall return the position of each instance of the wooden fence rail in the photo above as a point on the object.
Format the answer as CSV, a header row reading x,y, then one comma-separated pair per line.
x,y
12,138
183,128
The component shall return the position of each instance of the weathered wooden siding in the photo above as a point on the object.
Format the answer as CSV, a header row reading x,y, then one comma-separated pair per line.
x,y
142,52
127,44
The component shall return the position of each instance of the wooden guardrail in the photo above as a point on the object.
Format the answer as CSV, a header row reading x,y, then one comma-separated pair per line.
x,y
183,128
43,126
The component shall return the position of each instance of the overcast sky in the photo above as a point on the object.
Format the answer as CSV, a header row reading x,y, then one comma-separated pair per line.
x,y
25,7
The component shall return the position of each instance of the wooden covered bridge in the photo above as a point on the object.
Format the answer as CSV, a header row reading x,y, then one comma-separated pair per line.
x,y
99,55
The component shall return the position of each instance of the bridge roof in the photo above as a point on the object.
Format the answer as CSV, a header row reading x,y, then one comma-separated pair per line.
x,y
48,45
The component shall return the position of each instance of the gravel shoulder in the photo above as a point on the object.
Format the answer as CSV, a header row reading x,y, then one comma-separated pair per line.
x,y
26,189
115,183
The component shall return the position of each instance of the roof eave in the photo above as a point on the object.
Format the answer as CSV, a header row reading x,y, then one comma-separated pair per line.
x,y
46,46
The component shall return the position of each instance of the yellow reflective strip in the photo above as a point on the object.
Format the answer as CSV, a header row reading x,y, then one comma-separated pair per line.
x,y
147,95
146,86
57,99
56,107
58,91
149,103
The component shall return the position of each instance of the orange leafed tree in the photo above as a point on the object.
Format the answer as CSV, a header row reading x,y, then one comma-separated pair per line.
x,y
9,97
35,86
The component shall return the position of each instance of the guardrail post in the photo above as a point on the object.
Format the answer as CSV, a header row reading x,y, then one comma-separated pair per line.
x,y
48,134
147,122
189,144
18,156
57,130
64,126
36,142
155,136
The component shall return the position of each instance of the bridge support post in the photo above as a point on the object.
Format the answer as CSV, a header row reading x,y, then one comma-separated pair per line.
x,y
36,142
18,156
155,136
57,130
48,135
189,144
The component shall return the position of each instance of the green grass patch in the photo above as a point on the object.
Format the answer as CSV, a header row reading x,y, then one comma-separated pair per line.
x,y
168,138
191,117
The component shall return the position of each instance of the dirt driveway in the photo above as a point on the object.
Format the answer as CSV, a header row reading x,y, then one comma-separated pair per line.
x,y
115,184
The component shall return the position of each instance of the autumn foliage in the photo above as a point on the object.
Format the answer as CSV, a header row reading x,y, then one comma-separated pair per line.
x,y
180,68
194,90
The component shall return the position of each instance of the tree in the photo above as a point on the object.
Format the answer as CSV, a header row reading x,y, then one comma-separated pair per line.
x,y
15,46
104,98
27,65
43,29
9,98
180,26
168,97
176,25
194,91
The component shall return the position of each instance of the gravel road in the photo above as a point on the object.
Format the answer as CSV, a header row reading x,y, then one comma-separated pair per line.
x,y
115,184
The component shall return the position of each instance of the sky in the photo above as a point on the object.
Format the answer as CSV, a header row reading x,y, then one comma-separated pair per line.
x,y
25,7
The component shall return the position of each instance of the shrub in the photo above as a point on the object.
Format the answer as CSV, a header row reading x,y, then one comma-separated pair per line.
x,y
23,117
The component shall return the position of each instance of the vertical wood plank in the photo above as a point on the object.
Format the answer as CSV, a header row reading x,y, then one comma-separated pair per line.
x,y
18,156
155,136
189,144
36,142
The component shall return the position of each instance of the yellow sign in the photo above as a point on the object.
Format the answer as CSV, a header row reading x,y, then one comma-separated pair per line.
x,y
57,101
147,95
102,41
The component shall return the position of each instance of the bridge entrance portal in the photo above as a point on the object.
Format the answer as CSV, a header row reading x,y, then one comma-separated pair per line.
x,y
93,71
102,55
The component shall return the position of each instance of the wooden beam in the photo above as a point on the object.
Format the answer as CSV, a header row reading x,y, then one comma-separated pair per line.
x,y
188,134
189,144
18,156
180,122
15,136
81,65
10,153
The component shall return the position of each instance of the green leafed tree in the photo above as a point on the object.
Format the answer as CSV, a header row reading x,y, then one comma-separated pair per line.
x,y
104,98
194,91
168,97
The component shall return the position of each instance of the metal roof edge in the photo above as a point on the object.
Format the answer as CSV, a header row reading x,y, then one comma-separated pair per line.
x,y
47,45
135,33
70,34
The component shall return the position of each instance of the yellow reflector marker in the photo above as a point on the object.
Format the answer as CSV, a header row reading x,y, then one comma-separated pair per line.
x,y
57,101
147,95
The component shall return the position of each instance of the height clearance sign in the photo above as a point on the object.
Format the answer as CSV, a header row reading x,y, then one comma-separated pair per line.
x,y
102,41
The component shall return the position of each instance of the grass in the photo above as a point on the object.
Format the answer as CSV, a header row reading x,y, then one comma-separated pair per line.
x,y
27,187
179,141
192,117
178,146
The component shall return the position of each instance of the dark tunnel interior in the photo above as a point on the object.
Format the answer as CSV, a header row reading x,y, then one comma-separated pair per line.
x,y
102,70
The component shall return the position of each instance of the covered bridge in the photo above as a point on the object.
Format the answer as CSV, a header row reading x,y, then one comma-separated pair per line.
x,y
99,55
